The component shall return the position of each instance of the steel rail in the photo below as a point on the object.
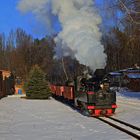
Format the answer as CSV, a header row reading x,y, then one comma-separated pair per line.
x,y
125,123
119,128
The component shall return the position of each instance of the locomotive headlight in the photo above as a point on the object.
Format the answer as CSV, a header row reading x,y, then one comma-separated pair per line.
x,y
102,86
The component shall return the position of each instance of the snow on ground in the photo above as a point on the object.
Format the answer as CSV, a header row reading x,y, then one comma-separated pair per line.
x,y
22,119
128,107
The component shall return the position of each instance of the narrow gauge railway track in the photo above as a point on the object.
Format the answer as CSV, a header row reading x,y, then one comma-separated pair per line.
x,y
125,123
122,126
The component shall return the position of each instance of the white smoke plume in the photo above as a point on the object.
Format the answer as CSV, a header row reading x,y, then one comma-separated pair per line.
x,y
80,32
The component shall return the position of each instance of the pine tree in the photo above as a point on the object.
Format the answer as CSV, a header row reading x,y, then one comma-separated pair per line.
x,y
37,85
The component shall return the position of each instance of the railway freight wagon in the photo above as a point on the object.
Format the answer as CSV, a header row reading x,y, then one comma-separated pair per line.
x,y
7,83
87,96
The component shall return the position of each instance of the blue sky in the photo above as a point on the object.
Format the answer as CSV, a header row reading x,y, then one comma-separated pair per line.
x,y
11,18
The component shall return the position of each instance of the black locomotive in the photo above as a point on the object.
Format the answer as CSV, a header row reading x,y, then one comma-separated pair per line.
x,y
95,100
88,95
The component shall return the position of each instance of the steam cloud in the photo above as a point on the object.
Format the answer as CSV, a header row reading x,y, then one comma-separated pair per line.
x,y
80,35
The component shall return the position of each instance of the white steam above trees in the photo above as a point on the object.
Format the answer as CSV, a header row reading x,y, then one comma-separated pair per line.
x,y
80,36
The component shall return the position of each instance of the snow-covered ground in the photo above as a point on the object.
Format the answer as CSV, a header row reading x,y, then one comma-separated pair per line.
x,y
128,107
22,119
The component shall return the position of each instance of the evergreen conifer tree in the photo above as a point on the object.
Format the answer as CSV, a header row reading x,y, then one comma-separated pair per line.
x,y
37,85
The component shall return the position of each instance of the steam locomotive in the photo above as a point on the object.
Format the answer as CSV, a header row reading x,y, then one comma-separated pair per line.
x,y
88,95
